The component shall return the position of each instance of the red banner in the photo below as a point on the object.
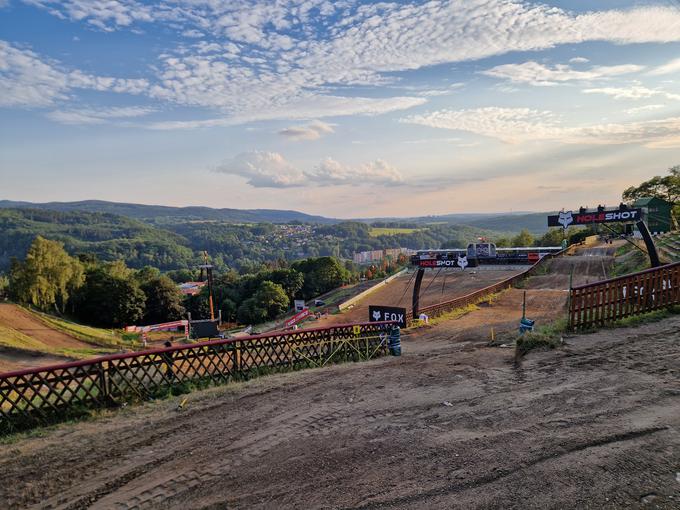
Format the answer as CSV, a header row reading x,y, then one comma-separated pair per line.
x,y
297,318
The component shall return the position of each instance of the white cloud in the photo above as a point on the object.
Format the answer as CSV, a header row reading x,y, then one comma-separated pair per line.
x,y
646,108
193,33
578,60
307,107
289,54
537,74
517,125
264,169
632,92
670,67
98,115
379,171
311,131
27,80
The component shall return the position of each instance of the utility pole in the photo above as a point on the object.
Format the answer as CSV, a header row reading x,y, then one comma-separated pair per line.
x,y
209,278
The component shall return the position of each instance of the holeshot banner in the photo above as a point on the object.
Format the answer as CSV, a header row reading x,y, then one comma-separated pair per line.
x,y
566,219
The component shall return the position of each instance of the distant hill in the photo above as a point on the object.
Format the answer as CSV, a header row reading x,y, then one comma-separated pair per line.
x,y
163,214
108,236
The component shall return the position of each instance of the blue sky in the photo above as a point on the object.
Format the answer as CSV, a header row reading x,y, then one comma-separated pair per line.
x,y
346,108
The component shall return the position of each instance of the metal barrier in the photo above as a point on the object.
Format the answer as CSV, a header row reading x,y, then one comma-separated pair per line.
x,y
48,394
478,295
603,302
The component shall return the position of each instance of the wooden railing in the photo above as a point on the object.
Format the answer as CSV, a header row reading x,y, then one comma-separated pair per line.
x,y
48,394
600,303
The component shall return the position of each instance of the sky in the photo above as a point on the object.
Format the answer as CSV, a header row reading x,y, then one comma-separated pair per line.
x,y
339,108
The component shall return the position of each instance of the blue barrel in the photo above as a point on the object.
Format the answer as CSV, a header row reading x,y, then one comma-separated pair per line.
x,y
525,325
394,344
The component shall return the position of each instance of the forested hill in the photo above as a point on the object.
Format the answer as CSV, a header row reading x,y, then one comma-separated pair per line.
x,y
107,236
179,244
162,214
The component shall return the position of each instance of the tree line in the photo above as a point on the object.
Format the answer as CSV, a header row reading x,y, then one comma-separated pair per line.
x,y
110,294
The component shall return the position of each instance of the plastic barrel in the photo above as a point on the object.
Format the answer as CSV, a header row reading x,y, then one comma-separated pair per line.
x,y
394,344
526,325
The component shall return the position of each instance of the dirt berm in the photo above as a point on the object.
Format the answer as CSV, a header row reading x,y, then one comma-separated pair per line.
x,y
450,424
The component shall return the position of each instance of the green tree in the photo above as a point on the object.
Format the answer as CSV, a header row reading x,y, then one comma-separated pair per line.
x,y
147,274
553,237
251,313
272,298
502,242
108,301
47,276
4,285
321,275
666,188
163,301
524,238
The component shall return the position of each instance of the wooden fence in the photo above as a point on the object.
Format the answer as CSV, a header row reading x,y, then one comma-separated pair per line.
x,y
48,394
479,295
603,302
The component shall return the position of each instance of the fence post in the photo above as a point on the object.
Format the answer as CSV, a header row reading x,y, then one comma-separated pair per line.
x,y
104,390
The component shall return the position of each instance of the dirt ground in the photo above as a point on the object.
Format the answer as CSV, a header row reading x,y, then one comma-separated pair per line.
x,y
436,287
14,317
452,423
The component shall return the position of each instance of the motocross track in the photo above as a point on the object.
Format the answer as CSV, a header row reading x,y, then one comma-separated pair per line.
x,y
452,423
18,319
436,287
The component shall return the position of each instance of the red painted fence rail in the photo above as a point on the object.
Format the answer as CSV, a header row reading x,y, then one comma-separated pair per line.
x,y
604,302
43,395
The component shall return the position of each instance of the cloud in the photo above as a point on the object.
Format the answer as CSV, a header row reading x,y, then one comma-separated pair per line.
x,y
27,80
379,171
263,60
98,115
632,92
263,169
671,67
646,108
305,108
578,60
537,74
312,131
520,125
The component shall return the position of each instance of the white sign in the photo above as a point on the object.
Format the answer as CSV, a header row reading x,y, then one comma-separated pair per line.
x,y
565,219
299,305
462,262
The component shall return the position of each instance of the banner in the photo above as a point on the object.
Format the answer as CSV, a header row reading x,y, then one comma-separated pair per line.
x,y
297,318
377,313
568,218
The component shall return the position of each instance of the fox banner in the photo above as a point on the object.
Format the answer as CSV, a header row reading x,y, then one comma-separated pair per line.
x,y
618,215
377,313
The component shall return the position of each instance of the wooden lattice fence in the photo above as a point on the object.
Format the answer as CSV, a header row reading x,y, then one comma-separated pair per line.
x,y
600,303
44,395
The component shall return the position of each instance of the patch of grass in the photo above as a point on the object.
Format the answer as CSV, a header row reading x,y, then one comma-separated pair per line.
x,y
629,261
386,231
548,336
646,318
